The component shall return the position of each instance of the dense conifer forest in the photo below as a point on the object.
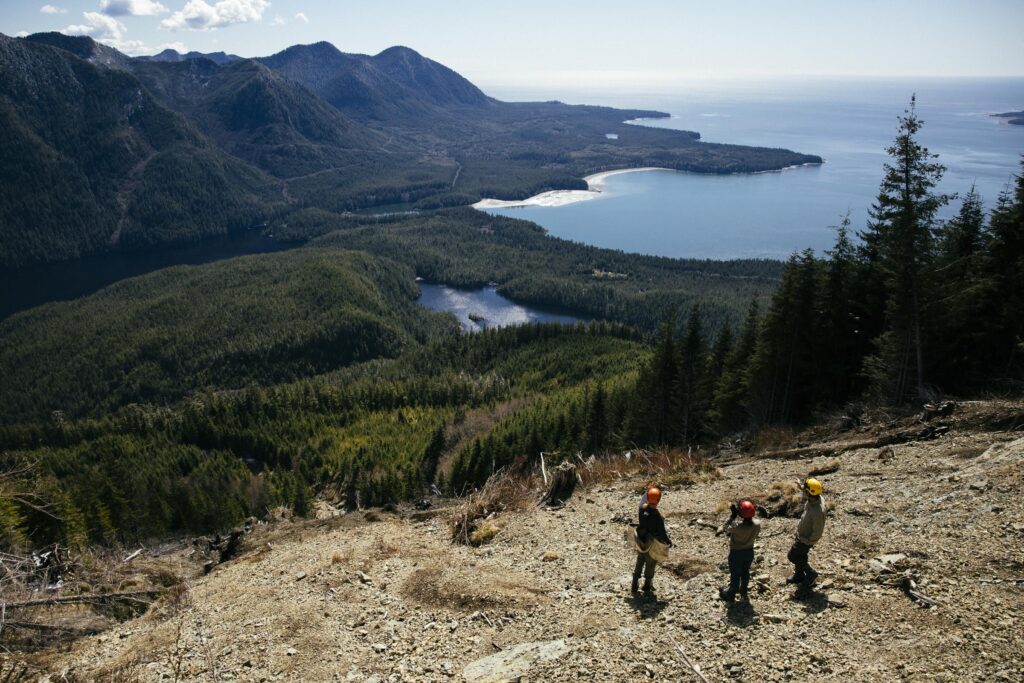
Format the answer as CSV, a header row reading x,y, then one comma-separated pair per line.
x,y
188,399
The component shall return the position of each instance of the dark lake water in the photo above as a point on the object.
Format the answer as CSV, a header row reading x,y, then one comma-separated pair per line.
x,y
483,308
849,123
28,287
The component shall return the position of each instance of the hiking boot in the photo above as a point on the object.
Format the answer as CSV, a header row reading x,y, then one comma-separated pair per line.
x,y
635,588
793,578
648,588
744,597
726,594
810,577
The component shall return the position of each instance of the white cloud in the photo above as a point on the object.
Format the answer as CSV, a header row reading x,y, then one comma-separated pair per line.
x,y
279,20
100,26
302,17
50,9
197,15
135,8
111,32
21,34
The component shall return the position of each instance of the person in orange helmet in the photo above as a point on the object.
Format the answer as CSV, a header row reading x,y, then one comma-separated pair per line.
x,y
649,531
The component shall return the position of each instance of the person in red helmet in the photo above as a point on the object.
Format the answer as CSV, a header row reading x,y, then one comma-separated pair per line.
x,y
742,529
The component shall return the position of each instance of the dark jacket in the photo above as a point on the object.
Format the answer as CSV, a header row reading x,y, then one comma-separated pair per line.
x,y
652,526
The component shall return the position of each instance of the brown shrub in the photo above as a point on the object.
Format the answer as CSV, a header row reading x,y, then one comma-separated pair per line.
x,y
667,466
475,521
437,587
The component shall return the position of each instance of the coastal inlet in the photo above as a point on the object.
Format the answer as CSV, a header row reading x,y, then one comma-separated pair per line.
x,y
480,309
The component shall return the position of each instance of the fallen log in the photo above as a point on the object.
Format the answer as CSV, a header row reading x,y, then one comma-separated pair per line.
x,y
133,596
52,628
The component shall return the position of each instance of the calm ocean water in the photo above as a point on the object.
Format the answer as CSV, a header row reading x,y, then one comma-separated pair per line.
x,y
848,122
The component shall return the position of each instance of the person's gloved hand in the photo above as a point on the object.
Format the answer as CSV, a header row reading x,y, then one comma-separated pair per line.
x,y
734,509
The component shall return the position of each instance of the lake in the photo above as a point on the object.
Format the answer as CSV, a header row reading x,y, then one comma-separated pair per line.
x,y
484,308
847,122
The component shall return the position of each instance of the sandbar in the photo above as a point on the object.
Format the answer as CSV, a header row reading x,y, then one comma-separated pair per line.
x,y
595,183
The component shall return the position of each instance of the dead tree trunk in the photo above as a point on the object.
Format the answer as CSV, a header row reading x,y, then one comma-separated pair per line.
x,y
563,484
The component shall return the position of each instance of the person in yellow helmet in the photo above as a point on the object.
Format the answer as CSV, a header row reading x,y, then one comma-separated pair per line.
x,y
808,533
650,530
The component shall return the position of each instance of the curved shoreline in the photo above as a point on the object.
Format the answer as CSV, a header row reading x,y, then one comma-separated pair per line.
x,y
553,198
595,183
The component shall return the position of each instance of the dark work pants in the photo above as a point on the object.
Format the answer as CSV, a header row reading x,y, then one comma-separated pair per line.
x,y
646,564
798,556
739,570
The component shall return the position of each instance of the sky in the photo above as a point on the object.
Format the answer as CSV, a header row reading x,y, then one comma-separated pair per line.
x,y
569,42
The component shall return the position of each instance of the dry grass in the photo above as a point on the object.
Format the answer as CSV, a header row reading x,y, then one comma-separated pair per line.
x,y
774,438
476,520
436,587
667,466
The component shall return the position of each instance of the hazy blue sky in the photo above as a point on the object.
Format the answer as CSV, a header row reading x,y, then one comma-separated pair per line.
x,y
596,42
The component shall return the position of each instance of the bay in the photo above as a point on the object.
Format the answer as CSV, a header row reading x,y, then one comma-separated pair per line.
x,y
770,215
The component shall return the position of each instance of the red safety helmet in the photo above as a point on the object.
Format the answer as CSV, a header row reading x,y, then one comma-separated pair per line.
x,y
747,509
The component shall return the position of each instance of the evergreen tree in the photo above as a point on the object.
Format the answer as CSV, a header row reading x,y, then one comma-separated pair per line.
x,y
844,341
900,237
651,420
597,422
730,404
786,374
964,309
1004,264
691,388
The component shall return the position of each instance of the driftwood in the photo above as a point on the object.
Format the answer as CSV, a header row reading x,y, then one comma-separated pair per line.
x,y
132,596
693,667
563,485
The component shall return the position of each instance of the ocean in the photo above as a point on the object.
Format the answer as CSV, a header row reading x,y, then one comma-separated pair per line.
x,y
770,215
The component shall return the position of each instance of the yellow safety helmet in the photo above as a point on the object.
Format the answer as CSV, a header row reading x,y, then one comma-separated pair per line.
x,y
812,487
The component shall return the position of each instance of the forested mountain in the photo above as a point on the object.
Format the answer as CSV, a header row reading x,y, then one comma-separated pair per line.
x,y
91,161
261,117
393,86
339,131
85,48
252,320
170,55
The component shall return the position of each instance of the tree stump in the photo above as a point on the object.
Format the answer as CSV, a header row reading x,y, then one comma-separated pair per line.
x,y
563,484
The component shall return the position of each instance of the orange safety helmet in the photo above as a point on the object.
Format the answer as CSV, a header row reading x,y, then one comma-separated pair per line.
x,y
747,510
653,495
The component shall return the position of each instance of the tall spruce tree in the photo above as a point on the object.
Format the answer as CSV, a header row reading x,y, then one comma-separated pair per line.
x,y
729,410
1004,264
964,310
900,236
844,340
691,388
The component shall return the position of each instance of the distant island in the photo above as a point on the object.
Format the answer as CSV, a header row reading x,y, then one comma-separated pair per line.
x,y
1013,117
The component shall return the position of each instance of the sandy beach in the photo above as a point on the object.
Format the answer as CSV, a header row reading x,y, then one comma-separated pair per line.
x,y
595,184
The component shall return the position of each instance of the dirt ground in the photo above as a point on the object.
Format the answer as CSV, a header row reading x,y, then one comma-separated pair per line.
x,y
350,599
